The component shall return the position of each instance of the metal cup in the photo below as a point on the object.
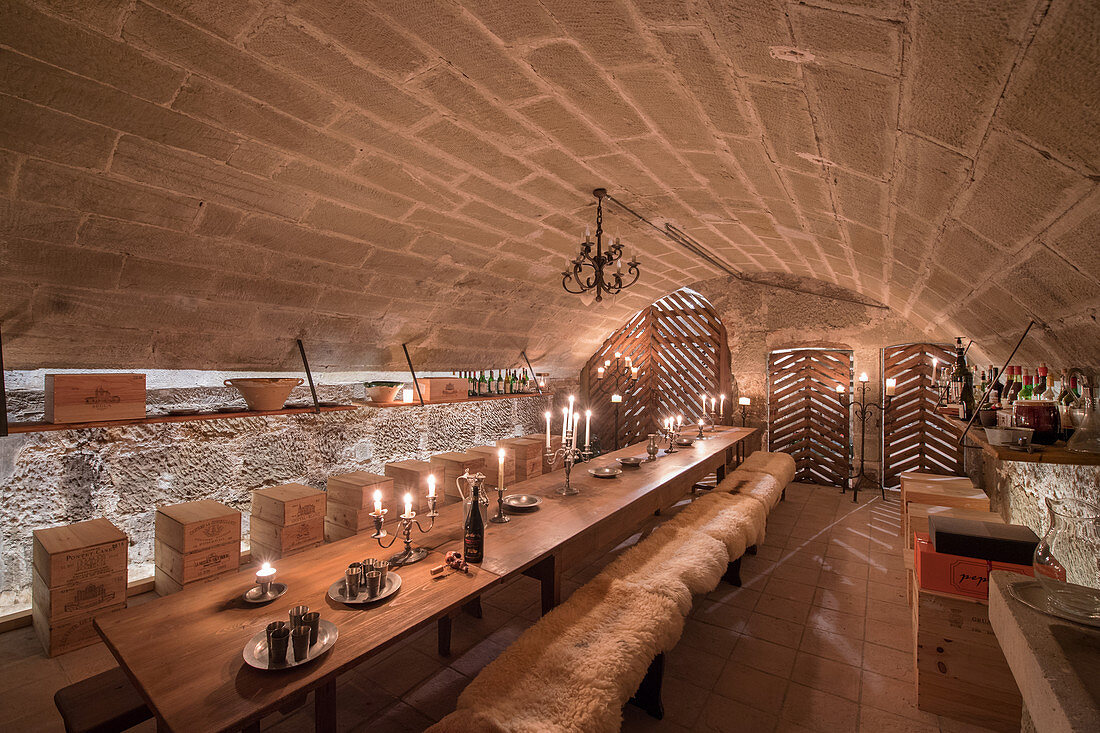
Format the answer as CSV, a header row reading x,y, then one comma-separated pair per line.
x,y
299,638
271,627
374,583
352,578
357,567
278,641
313,621
296,614
382,566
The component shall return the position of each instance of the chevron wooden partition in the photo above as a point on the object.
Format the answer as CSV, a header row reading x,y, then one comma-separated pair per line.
x,y
680,347
914,436
806,417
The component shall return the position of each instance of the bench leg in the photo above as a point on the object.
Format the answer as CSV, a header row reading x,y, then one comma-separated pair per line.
x,y
548,573
720,473
474,608
648,696
443,636
750,550
733,573
324,718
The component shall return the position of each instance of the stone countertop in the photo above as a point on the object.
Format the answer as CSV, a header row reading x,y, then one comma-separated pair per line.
x,y
1056,663
1056,453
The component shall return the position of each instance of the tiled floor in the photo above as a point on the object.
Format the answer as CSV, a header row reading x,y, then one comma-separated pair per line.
x,y
817,639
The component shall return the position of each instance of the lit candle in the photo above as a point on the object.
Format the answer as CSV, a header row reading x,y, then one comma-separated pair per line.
x,y
703,400
576,420
840,389
564,423
408,505
265,574
377,501
616,398
431,485
547,430
863,376
599,373
633,372
712,403
722,405
500,469
679,420
628,361
618,355
570,407
744,401
607,362
587,427
891,386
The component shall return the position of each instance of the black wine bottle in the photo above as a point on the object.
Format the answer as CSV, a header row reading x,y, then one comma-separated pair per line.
x,y
473,535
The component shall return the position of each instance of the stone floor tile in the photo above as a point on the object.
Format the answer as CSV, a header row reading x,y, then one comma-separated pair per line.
x,y
722,715
853,603
889,662
764,655
892,695
699,667
438,695
775,630
820,711
873,720
832,646
836,622
752,687
784,608
827,675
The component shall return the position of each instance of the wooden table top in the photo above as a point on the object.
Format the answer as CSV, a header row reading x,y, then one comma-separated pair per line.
x,y
530,536
184,651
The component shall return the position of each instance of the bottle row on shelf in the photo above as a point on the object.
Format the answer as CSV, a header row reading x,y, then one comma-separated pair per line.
x,y
499,381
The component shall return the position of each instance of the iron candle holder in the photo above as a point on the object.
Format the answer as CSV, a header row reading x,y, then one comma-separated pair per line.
x,y
569,456
410,554
864,410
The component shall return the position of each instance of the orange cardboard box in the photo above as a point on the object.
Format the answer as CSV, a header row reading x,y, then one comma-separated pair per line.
x,y
954,574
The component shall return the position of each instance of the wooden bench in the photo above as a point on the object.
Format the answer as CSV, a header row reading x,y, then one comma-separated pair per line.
x,y
104,703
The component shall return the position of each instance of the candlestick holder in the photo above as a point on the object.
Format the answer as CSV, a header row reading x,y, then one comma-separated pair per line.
x,y
864,410
569,456
433,502
670,434
500,517
410,554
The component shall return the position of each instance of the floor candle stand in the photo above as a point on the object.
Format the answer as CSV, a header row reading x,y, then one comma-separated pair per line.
x,y
864,410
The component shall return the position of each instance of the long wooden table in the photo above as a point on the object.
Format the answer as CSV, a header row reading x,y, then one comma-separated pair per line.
x,y
183,652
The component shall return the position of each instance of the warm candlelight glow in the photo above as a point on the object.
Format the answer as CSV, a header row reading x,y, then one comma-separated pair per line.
x,y
840,389
618,354
607,362
599,373
616,398
679,420
744,401
891,386
633,372
500,468
431,485
377,501
408,504
265,572
407,394
547,430
863,376
587,428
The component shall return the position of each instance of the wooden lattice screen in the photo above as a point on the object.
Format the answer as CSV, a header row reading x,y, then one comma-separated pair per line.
x,y
679,345
914,436
807,418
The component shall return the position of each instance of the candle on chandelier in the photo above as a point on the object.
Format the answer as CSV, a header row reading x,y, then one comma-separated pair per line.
x,y
722,405
576,420
431,485
587,428
863,376
891,386
703,400
500,469
712,403
599,373
744,401
377,501
628,361
564,423
547,430
634,372
618,355
616,398
679,420
607,362
408,505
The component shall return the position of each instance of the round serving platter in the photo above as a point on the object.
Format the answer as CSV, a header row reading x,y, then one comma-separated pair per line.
x,y
522,502
391,586
254,594
630,461
255,651
1030,593
605,471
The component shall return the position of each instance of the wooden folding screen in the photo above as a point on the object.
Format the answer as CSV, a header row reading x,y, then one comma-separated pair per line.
x,y
807,418
680,347
914,436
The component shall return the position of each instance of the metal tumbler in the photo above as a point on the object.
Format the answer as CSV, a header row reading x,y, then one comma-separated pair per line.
x,y
299,639
312,621
382,566
277,646
374,583
357,567
296,614
352,579
271,627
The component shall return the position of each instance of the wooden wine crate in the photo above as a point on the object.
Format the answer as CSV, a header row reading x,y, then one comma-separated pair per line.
x,y
443,389
949,491
492,464
529,453
75,599
263,553
335,533
411,477
188,567
559,461
350,518
164,584
961,671
197,525
71,633
283,539
72,398
288,504
452,465
79,552
357,489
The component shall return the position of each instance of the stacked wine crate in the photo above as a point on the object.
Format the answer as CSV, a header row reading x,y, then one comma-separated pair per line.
x,y
195,542
452,465
492,464
79,572
285,520
411,477
350,502
529,453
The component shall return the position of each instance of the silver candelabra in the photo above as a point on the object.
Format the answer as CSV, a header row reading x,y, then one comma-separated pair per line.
x,y
569,455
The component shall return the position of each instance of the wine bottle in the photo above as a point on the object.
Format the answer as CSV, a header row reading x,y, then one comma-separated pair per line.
x,y
482,385
1027,390
473,534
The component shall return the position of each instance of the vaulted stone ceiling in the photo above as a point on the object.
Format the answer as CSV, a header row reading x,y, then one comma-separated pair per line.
x,y
195,183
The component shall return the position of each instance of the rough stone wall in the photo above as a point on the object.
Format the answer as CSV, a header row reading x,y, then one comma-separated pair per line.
x,y
1018,491
124,473
194,184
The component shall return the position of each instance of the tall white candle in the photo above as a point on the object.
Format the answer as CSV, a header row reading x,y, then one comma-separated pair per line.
x,y
712,401
377,501
408,504
570,407
587,428
703,400
547,430
576,420
564,424
500,469
722,405
431,485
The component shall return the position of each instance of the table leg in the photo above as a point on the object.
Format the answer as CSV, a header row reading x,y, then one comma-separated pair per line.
x,y
474,608
720,473
444,636
547,572
324,718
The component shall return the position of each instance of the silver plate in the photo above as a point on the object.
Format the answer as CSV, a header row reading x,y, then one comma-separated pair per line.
x,y
336,591
255,651
253,595
684,441
605,471
630,461
522,502
1031,594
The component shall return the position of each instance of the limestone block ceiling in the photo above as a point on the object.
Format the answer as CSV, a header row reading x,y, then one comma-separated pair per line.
x,y
195,183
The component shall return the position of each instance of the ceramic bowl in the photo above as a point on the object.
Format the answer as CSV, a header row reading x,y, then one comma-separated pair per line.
x,y
264,393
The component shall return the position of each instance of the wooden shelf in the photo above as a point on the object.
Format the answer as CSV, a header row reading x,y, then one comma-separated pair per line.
x,y
41,427
1056,453
416,402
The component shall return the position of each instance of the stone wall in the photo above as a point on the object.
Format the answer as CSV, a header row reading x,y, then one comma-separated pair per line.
x,y
124,473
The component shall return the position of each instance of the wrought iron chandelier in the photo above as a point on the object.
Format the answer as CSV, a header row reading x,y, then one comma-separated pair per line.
x,y
588,269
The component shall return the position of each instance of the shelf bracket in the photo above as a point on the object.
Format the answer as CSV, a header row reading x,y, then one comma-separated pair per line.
x,y
531,369
413,373
3,392
309,376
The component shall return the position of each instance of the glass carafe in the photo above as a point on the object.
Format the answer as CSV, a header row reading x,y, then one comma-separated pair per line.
x,y
1086,438
1072,540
